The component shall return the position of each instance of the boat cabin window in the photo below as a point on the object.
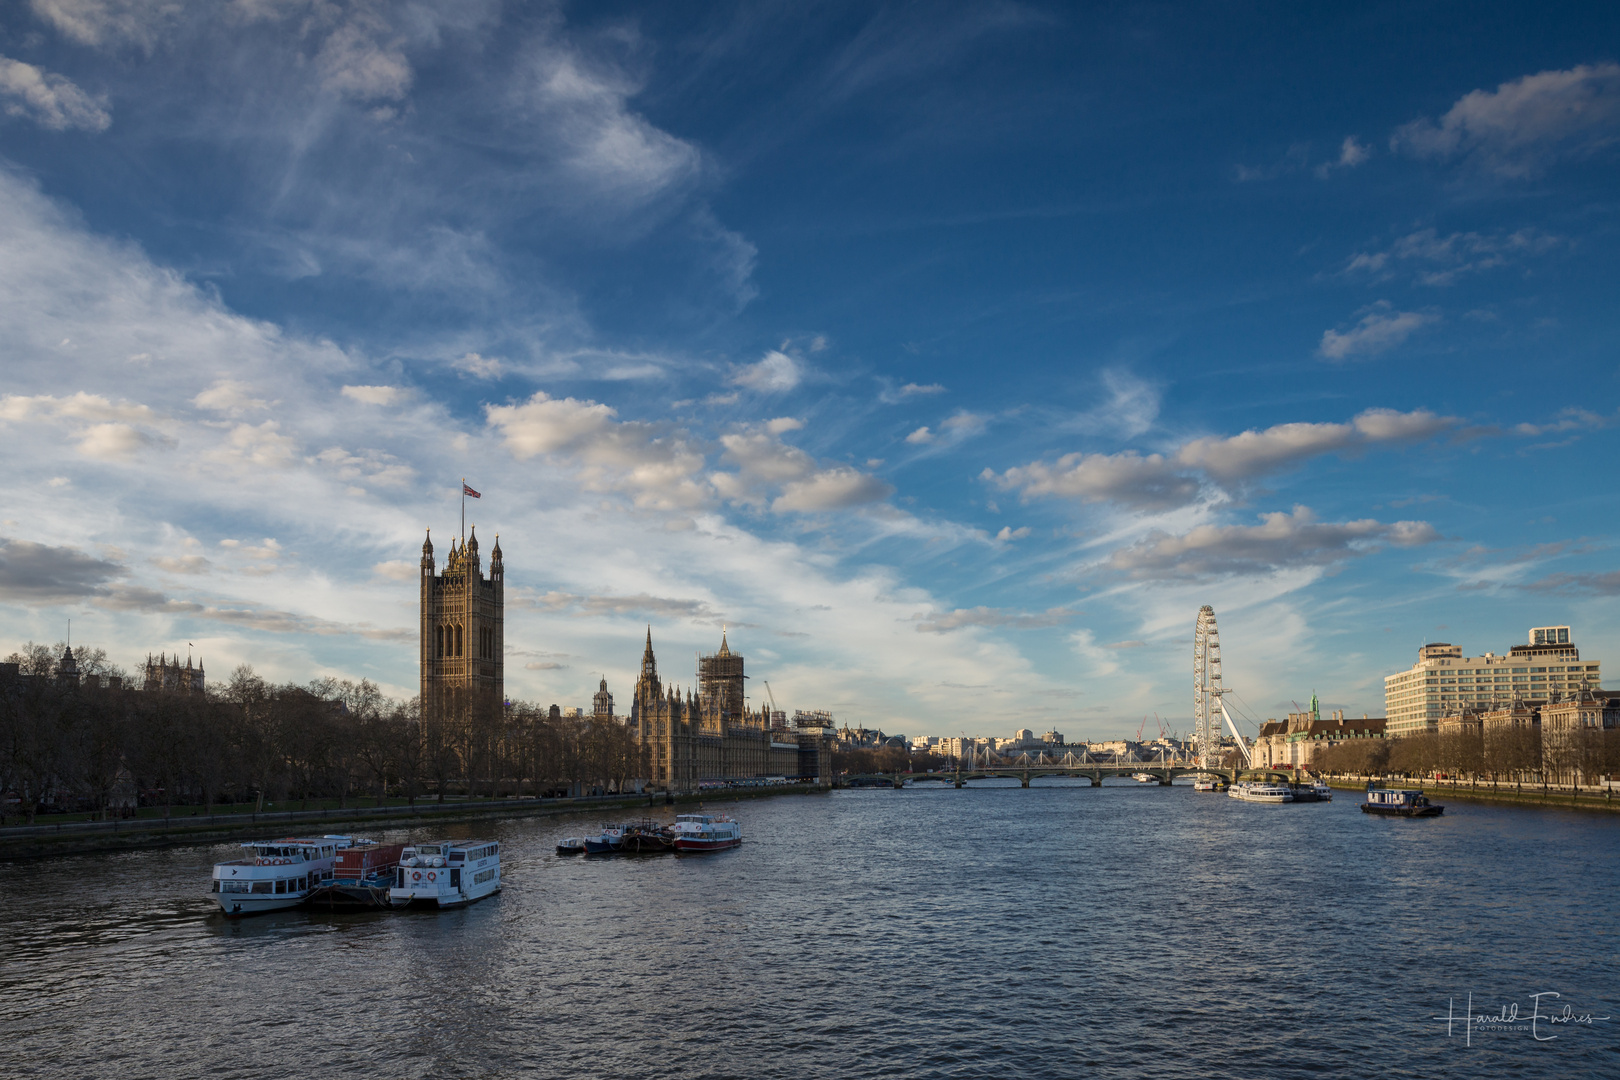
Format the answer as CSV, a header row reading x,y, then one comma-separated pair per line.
x,y
457,856
428,849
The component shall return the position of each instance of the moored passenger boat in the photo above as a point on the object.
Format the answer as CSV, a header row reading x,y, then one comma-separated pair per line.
x,y
1144,778
273,875
447,874
1208,782
705,832
1399,802
1261,792
573,845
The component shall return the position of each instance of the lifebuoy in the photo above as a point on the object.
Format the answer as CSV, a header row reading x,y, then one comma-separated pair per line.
x,y
416,875
432,876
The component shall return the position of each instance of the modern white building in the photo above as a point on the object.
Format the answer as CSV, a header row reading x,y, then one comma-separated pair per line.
x,y
1444,681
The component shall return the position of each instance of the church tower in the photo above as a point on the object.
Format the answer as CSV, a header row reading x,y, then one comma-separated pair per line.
x,y
463,642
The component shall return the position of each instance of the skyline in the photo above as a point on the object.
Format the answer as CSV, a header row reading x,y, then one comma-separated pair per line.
x,y
951,357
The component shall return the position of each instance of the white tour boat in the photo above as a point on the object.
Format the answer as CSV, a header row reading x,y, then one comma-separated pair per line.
x,y
1262,792
1144,778
705,832
447,874
274,874
1207,782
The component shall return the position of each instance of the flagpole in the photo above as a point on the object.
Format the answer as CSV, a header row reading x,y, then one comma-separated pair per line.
x,y
463,511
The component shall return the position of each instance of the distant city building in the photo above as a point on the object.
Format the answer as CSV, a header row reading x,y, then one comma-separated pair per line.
x,y
1444,681
1053,738
1567,728
1297,741
463,641
165,673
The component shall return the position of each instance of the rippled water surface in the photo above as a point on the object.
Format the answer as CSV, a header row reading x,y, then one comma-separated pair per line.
x,y
1056,931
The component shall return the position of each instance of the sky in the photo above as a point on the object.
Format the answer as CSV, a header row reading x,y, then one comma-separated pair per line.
x,y
950,356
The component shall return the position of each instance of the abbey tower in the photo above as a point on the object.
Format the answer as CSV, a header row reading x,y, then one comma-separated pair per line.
x,y
463,640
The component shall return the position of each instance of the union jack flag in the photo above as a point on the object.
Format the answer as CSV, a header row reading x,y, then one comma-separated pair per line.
x,y
465,490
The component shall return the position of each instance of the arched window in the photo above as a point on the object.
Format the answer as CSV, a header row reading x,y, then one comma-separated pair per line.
x,y
440,635
458,641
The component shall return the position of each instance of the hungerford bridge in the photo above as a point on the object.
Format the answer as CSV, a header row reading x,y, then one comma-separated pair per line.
x,y
1208,712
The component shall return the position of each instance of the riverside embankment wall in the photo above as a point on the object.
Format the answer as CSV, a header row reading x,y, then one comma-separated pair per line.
x,y
1504,794
44,840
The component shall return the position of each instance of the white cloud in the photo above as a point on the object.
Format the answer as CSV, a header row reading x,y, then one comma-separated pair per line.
x,y
1009,533
963,424
1148,483
1252,453
838,488
1378,331
1161,482
1520,127
49,100
397,570
658,468
262,445
921,436
1281,541
228,396
765,464
79,406
110,22
113,442
606,148
945,621
364,59
776,373
783,424
483,367
1351,154
375,395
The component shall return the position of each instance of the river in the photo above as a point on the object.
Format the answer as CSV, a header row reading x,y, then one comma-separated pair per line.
x,y
993,931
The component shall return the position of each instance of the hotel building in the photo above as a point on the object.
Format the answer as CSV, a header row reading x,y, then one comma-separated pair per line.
x,y
1444,681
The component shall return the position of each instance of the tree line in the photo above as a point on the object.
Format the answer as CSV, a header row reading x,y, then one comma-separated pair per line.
x,y
99,746
1512,754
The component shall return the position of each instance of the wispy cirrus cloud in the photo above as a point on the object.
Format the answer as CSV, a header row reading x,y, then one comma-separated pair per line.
x,y
1442,260
50,100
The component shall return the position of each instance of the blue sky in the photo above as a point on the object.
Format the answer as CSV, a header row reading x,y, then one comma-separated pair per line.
x,y
952,355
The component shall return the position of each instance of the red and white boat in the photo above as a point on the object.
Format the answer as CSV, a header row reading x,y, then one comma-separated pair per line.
x,y
705,832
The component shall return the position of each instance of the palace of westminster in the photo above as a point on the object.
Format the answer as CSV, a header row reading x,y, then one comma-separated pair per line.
x,y
690,739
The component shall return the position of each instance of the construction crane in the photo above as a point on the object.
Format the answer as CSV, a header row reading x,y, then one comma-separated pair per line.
x,y
772,699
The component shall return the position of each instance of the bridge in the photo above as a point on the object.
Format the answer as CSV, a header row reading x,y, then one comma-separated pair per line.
x,y
987,766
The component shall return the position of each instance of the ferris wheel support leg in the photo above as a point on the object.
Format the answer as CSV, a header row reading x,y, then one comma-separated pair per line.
x,y
1248,758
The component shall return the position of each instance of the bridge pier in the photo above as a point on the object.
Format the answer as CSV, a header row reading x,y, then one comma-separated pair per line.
x,y
1026,780
1096,779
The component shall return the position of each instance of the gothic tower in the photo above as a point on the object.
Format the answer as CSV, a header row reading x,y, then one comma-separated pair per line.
x,y
463,640
720,684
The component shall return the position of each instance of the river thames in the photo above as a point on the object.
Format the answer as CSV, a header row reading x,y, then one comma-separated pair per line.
x,y
1058,931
